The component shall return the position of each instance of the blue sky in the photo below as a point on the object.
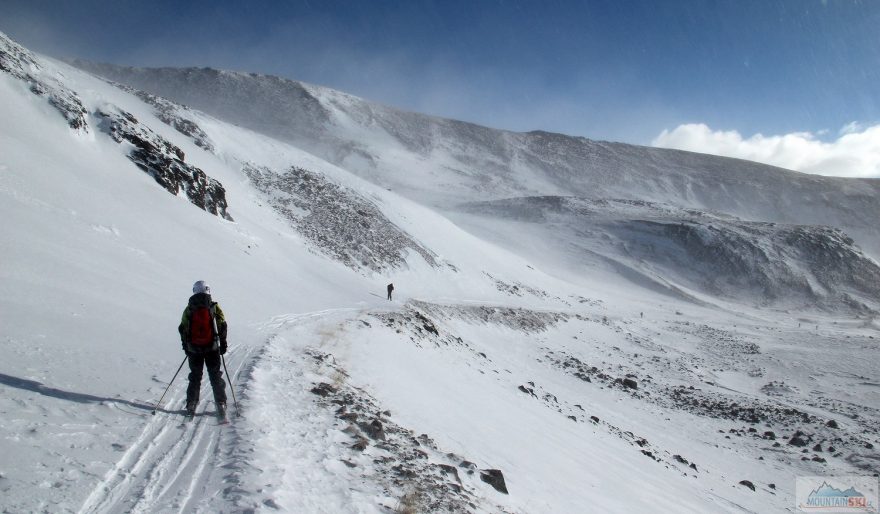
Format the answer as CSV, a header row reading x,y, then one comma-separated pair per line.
x,y
622,70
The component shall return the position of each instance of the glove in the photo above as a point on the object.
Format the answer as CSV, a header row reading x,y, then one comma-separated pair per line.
x,y
222,347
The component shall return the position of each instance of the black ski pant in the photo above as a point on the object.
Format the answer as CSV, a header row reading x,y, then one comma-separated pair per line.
x,y
197,361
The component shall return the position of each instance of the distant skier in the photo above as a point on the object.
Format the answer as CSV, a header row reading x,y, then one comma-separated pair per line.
x,y
203,334
390,288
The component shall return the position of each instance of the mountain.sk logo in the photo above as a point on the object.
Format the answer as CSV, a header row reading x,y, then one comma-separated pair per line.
x,y
837,494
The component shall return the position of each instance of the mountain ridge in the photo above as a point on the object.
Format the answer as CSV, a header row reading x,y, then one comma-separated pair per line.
x,y
399,149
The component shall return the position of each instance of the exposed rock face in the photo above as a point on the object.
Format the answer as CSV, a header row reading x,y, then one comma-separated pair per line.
x,y
338,221
174,115
164,162
21,64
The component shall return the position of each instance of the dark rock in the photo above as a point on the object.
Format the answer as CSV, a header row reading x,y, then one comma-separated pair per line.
x,y
771,486
869,446
693,466
164,161
446,469
360,445
630,383
770,435
817,448
594,419
748,484
680,459
323,389
572,418
832,424
816,458
495,478
466,464
797,440
373,429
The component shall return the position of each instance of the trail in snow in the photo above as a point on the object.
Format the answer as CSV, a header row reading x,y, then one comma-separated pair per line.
x,y
171,466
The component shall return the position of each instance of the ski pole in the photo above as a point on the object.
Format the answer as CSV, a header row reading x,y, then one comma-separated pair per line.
x,y
229,378
169,386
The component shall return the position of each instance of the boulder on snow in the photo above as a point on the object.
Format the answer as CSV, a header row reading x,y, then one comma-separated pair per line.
x,y
630,383
748,484
797,440
832,424
495,478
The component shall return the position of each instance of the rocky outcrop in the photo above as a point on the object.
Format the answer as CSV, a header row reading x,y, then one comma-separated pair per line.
x,y
23,65
174,115
164,161
338,221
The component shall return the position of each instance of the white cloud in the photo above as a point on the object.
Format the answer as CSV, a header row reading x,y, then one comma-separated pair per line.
x,y
855,153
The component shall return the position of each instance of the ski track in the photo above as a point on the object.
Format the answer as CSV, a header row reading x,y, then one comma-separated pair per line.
x,y
165,470
173,465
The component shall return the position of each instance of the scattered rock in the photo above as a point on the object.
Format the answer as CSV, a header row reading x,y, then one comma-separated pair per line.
x,y
832,424
630,383
339,221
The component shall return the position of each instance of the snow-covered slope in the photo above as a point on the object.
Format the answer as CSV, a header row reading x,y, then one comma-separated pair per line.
x,y
502,378
442,162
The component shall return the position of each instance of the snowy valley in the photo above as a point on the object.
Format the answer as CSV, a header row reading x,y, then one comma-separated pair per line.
x,y
577,326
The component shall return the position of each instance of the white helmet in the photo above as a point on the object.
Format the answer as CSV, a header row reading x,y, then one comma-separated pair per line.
x,y
201,287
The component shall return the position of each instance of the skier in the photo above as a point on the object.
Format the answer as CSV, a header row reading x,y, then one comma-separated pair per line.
x,y
390,288
203,334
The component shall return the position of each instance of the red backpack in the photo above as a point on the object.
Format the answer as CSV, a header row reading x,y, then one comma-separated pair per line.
x,y
201,326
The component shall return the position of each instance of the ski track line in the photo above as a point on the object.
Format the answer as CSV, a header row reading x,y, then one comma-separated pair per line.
x,y
277,322
163,469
